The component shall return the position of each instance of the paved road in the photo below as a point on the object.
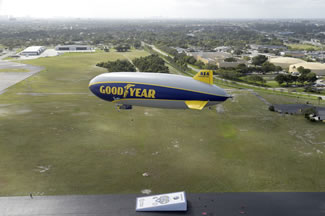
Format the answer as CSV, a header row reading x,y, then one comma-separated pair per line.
x,y
253,204
8,79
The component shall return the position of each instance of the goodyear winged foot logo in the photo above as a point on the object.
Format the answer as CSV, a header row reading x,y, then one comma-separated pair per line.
x,y
128,90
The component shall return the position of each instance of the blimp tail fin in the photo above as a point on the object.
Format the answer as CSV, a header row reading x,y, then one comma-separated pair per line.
x,y
205,76
198,105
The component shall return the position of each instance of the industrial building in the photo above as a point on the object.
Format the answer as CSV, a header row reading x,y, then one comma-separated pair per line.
x,y
33,51
224,64
209,57
74,48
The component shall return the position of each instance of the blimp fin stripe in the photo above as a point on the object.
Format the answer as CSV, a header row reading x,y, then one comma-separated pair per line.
x,y
197,105
205,76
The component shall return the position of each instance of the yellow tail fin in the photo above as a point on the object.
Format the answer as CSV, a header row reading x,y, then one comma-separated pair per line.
x,y
205,76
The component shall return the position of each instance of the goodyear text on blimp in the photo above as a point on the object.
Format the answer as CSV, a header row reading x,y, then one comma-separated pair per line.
x,y
128,90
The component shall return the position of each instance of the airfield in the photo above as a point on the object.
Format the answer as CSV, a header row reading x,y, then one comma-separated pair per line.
x,y
58,139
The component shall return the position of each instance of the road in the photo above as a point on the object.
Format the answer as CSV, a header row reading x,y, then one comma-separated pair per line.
x,y
8,79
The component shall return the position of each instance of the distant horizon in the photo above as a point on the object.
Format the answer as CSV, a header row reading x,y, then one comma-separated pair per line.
x,y
165,9
152,18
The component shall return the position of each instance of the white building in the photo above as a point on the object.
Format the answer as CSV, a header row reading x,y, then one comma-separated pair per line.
x,y
33,51
74,48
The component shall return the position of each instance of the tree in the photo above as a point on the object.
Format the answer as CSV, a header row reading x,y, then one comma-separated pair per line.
x,y
294,79
288,79
200,64
230,59
238,52
152,63
302,79
319,99
303,71
122,48
256,79
137,44
118,66
211,66
268,67
311,77
259,60
246,58
228,74
280,79
242,68
278,68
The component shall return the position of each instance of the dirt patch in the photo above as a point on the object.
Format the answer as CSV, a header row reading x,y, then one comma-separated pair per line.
x,y
148,114
220,108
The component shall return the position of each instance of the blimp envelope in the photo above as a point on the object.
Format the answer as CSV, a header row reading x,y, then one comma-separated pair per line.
x,y
163,202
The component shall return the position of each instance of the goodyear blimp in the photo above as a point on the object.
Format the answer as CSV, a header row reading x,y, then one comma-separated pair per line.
x,y
128,89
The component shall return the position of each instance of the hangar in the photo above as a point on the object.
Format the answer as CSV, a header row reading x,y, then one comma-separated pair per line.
x,y
33,51
74,48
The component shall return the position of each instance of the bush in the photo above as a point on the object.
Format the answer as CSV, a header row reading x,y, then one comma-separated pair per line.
x,y
271,108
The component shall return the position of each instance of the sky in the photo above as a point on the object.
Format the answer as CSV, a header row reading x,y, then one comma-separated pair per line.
x,y
185,9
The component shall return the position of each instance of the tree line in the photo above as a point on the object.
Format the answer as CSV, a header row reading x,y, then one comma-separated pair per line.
x,y
152,63
305,76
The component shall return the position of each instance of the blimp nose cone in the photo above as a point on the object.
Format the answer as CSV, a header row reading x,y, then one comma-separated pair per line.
x,y
92,86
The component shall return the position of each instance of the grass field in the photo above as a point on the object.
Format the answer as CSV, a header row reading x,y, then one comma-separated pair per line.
x,y
303,47
56,138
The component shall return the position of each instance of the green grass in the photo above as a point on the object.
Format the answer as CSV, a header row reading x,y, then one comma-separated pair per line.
x,y
272,84
91,148
13,70
303,47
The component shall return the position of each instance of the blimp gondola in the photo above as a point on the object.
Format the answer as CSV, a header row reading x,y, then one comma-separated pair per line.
x,y
127,89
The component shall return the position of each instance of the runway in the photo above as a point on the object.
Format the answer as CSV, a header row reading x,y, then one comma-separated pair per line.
x,y
8,79
213,204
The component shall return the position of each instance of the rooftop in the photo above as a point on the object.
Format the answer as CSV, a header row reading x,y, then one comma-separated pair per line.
x,y
212,55
33,49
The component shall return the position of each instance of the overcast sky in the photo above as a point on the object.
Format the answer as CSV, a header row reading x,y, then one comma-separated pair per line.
x,y
165,8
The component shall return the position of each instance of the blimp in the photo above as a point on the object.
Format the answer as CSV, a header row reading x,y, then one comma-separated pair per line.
x,y
128,89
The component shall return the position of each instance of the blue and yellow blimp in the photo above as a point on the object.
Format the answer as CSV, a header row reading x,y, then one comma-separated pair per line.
x,y
128,89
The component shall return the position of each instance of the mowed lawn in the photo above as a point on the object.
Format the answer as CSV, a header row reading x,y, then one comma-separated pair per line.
x,y
56,138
